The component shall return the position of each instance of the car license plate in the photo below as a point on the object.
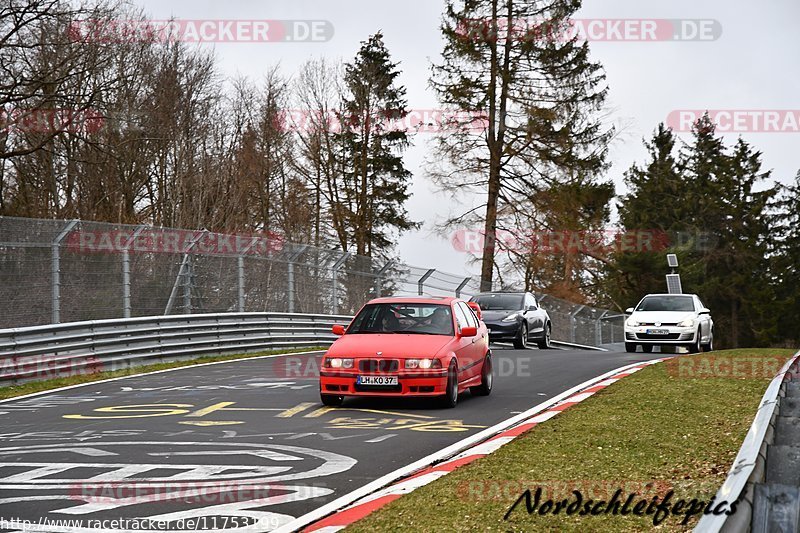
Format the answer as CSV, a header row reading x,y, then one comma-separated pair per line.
x,y
658,332
376,380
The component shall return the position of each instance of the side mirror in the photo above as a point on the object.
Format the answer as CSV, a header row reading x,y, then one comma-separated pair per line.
x,y
705,311
338,329
629,311
477,308
469,332
531,308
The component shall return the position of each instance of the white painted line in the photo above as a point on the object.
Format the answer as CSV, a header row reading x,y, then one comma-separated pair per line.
x,y
445,453
580,397
42,393
544,417
404,487
485,448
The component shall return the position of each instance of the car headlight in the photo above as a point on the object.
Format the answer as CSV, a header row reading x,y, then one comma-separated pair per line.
x,y
631,323
337,362
423,363
511,318
688,323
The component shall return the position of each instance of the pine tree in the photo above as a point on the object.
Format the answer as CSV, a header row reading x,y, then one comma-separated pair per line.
x,y
785,261
713,196
538,95
657,202
373,187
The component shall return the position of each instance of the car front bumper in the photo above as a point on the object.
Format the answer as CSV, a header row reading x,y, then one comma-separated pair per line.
x,y
410,383
503,330
675,335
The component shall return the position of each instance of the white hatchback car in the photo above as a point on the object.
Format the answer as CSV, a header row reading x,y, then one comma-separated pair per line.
x,y
669,320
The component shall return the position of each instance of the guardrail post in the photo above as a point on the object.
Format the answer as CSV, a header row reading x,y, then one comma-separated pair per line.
x,y
572,323
423,279
335,281
290,282
461,287
55,267
379,279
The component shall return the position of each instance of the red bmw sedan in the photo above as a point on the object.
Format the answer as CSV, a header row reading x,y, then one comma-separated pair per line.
x,y
411,346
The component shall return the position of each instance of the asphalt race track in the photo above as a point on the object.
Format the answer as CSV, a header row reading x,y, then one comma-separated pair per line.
x,y
235,444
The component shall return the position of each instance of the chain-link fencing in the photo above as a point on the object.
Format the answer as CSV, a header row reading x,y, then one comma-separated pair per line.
x,y
54,271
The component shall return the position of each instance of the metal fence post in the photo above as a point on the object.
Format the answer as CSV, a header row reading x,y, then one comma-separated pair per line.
x,y
598,329
240,275
181,274
290,282
335,281
126,273
379,279
240,284
572,323
55,267
188,282
461,287
423,279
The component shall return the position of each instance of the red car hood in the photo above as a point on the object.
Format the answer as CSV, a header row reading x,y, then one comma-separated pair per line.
x,y
396,345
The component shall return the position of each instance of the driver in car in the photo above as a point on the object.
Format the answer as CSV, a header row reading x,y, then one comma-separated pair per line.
x,y
440,320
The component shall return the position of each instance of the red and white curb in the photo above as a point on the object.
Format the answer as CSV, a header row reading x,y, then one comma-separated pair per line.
x,y
347,514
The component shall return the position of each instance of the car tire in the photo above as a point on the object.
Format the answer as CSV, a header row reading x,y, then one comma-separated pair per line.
x,y
521,340
544,344
450,398
630,347
695,346
647,348
487,378
709,347
331,400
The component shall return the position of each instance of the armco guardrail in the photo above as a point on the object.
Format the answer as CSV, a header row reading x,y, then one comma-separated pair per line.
x,y
60,350
751,466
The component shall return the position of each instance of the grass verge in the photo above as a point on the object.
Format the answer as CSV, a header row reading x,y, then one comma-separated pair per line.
x,y
13,391
672,426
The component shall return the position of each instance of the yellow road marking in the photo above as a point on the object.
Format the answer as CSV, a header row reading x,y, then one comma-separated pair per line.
x,y
151,410
210,409
323,410
294,410
203,423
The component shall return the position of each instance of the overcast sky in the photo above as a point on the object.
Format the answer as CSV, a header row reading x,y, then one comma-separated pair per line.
x,y
751,65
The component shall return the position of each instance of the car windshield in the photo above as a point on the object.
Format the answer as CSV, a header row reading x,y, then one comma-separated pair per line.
x,y
666,303
499,302
415,318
